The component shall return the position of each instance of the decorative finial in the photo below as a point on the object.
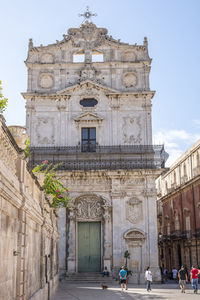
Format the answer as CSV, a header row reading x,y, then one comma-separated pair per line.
x,y
145,43
30,44
87,14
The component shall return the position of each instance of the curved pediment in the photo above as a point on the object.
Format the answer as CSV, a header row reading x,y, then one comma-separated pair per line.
x,y
88,117
134,234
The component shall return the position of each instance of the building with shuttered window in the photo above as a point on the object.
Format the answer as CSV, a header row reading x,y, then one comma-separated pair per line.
x,y
179,211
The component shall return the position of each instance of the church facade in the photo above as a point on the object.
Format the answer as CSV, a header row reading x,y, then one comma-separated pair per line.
x,y
88,106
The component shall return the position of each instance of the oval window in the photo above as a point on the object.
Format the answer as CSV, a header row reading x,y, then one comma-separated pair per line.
x,y
88,102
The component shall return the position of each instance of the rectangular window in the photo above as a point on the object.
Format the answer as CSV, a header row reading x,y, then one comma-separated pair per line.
x,y
88,139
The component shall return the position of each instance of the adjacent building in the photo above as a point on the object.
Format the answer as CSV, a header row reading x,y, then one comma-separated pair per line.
x,y
29,227
178,209
88,106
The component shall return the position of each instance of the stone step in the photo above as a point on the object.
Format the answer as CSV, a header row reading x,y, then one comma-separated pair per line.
x,y
89,278
91,281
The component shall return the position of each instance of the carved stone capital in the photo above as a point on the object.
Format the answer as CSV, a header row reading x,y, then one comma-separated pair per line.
x,y
107,213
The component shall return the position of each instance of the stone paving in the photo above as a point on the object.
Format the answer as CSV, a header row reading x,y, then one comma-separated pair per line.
x,y
85,291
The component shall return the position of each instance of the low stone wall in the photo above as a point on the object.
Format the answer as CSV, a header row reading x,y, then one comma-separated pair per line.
x,y
28,228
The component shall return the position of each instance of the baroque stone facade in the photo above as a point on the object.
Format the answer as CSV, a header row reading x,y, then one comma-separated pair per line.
x,y
29,233
179,211
94,116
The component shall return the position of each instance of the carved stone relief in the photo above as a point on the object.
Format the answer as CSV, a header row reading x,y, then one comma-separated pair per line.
x,y
47,58
131,130
129,80
134,234
129,56
45,131
46,80
134,212
88,72
89,207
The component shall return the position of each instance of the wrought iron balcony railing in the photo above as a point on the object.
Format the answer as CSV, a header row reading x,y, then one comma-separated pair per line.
x,y
101,157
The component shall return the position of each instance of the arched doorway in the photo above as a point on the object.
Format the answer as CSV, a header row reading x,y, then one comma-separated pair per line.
x,y
89,234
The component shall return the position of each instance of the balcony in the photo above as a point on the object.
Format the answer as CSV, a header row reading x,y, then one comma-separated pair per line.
x,y
187,234
176,234
101,157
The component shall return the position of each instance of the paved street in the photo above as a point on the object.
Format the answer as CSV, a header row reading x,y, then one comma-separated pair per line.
x,y
94,292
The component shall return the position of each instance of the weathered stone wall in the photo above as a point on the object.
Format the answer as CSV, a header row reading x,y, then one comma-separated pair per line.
x,y
120,84
125,204
28,235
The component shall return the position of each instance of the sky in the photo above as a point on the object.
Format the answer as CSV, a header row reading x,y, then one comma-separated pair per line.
x,y
171,26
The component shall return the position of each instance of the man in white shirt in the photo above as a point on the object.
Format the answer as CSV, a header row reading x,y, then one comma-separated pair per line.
x,y
148,277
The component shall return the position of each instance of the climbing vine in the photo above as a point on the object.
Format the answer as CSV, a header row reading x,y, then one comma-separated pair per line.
x,y
53,185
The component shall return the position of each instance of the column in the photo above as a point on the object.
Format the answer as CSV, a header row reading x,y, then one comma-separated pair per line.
x,y
107,237
62,241
71,243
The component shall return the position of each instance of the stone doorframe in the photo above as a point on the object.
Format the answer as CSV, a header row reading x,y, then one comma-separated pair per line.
x,y
89,208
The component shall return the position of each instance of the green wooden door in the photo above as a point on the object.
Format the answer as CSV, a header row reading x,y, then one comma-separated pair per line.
x,y
89,247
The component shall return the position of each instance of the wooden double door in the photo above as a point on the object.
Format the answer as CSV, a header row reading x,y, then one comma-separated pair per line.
x,y
89,246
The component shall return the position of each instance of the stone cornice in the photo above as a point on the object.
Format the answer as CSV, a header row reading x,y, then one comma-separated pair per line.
x,y
139,94
77,65
179,189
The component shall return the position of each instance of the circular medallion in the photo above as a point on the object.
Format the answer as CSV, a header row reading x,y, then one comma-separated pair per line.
x,y
46,81
130,80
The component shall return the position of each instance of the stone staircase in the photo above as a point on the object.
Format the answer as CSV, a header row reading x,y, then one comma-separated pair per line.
x,y
89,278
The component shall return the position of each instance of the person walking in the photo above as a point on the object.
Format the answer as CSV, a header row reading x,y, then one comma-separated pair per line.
x,y
148,277
165,275
183,278
174,274
123,277
194,278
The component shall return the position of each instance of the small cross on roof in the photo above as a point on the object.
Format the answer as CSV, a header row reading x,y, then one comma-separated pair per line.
x,y
87,14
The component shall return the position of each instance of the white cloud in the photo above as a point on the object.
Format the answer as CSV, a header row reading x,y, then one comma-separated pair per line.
x,y
176,142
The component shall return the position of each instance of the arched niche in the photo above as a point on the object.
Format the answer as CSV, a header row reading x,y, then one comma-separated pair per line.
x,y
134,235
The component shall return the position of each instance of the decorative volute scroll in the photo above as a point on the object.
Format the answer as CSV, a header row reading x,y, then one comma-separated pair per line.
x,y
134,235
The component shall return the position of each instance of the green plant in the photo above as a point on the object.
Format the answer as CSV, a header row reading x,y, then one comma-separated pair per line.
x,y
3,100
52,185
126,256
27,148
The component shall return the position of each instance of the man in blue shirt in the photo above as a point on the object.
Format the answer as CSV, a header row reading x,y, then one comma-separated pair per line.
x,y
123,277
